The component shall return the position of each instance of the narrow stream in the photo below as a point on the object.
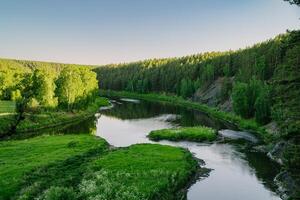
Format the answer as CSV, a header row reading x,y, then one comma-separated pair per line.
x,y
238,173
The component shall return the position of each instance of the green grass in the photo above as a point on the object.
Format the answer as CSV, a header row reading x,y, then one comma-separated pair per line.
x,y
243,124
197,134
19,157
143,171
35,121
6,123
7,116
7,107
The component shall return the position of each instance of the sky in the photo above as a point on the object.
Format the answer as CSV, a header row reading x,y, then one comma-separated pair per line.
x,y
113,31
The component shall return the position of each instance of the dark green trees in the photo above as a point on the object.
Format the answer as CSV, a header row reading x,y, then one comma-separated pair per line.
x,y
252,100
184,75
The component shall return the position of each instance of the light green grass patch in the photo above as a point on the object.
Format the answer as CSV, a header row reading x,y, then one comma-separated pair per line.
x,y
143,171
18,157
7,107
197,134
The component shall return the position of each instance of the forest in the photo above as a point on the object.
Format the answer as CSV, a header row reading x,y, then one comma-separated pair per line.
x,y
261,81
47,86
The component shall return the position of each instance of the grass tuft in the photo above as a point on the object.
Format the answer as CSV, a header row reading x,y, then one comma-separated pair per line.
x,y
196,134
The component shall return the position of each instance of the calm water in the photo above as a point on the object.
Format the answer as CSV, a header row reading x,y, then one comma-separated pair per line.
x,y
238,173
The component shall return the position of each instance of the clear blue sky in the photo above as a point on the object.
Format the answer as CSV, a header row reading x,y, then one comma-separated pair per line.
x,y
112,31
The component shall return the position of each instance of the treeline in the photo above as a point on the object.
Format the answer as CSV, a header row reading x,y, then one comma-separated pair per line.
x,y
38,85
257,78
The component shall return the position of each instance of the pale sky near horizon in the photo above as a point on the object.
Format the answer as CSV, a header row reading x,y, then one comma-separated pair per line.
x,y
114,31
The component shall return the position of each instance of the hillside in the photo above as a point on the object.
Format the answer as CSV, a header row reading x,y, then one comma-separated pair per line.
x,y
273,64
260,82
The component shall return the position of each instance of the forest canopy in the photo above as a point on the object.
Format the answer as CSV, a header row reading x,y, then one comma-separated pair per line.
x,y
38,85
262,80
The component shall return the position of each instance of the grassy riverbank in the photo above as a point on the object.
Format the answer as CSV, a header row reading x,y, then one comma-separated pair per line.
x,y
20,157
84,167
196,134
47,119
7,116
243,124
143,171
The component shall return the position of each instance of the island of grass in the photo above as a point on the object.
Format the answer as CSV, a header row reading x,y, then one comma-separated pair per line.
x,y
196,134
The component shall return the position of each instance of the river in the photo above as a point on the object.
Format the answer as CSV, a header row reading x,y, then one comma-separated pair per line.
x,y
237,173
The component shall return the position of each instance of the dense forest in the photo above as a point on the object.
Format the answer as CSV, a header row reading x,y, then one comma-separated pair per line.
x,y
261,81
47,86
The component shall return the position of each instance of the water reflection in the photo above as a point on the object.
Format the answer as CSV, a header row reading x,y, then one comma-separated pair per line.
x,y
238,172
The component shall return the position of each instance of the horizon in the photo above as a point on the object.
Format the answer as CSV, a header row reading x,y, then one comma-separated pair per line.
x,y
143,59
102,33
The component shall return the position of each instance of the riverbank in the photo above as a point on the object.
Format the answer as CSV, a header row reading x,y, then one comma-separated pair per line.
x,y
7,116
48,119
243,124
83,166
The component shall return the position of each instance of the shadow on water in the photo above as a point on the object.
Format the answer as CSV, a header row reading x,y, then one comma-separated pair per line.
x,y
145,109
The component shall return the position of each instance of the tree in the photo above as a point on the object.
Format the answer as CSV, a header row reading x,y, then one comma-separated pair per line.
x,y
186,88
239,97
44,87
263,107
69,87
296,2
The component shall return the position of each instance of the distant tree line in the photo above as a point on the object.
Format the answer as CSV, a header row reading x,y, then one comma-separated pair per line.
x,y
37,85
252,77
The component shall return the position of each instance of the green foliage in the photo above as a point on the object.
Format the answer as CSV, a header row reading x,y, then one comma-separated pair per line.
x,y
76,87
186,88
16,95
33,104
274,62
286,92
226,89
47,85
252,99
239,97
44,87
198,134
144,171
11,74
263,106
291,156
